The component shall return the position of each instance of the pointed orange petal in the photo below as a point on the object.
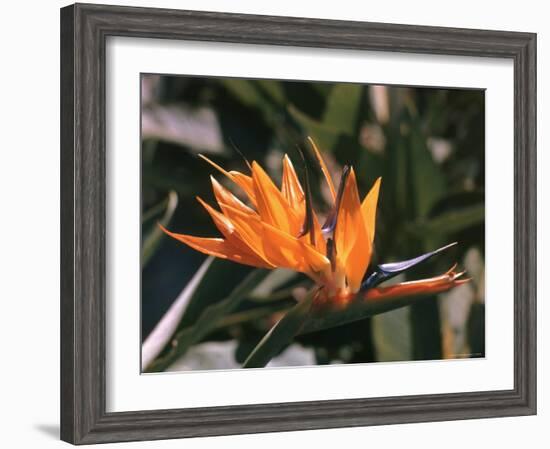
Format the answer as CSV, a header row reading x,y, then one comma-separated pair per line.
x,y
243,181
231,234
368,209
216,247
250,230
291,187
315,260
223,224
282,251
437,284
272,206
324,168
352,242
290,252
225,197
217,167
275,246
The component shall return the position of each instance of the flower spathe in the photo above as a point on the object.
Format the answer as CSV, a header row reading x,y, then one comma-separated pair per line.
x,y
279,228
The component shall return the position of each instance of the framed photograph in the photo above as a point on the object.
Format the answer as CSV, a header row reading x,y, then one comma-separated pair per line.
x,y
275,223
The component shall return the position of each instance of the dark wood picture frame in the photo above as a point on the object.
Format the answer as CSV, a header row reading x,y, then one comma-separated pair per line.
x,y
84,29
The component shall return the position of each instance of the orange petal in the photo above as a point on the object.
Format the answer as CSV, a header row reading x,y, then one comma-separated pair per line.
x,y
223,224
353,246
218,248
324,168
430,286
277,247
290,252
291,187
243,181
231,234
295,196
250,230
225,197
272,206
368,209
217,167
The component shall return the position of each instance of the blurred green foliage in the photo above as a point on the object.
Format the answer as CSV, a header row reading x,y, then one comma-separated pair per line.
x,y
426,143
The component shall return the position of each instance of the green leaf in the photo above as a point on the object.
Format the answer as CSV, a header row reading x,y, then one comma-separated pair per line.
x,y
426,330
164,180
343,107
325,136
392,335
266,97
154,211
273,281
220,273
208,321
476,329
325,317
244,90
200,292
253,315
165,328
153,238
261,94
396,183
224,272
428,179
280,334
274,89
449,222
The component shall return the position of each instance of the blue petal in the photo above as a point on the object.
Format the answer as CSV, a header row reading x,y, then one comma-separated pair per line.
x,y
388,270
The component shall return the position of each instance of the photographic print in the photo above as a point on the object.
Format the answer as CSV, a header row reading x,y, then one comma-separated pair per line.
x,y
304,223
255,206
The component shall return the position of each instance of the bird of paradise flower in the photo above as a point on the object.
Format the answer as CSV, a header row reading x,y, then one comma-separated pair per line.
x,y
279,228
